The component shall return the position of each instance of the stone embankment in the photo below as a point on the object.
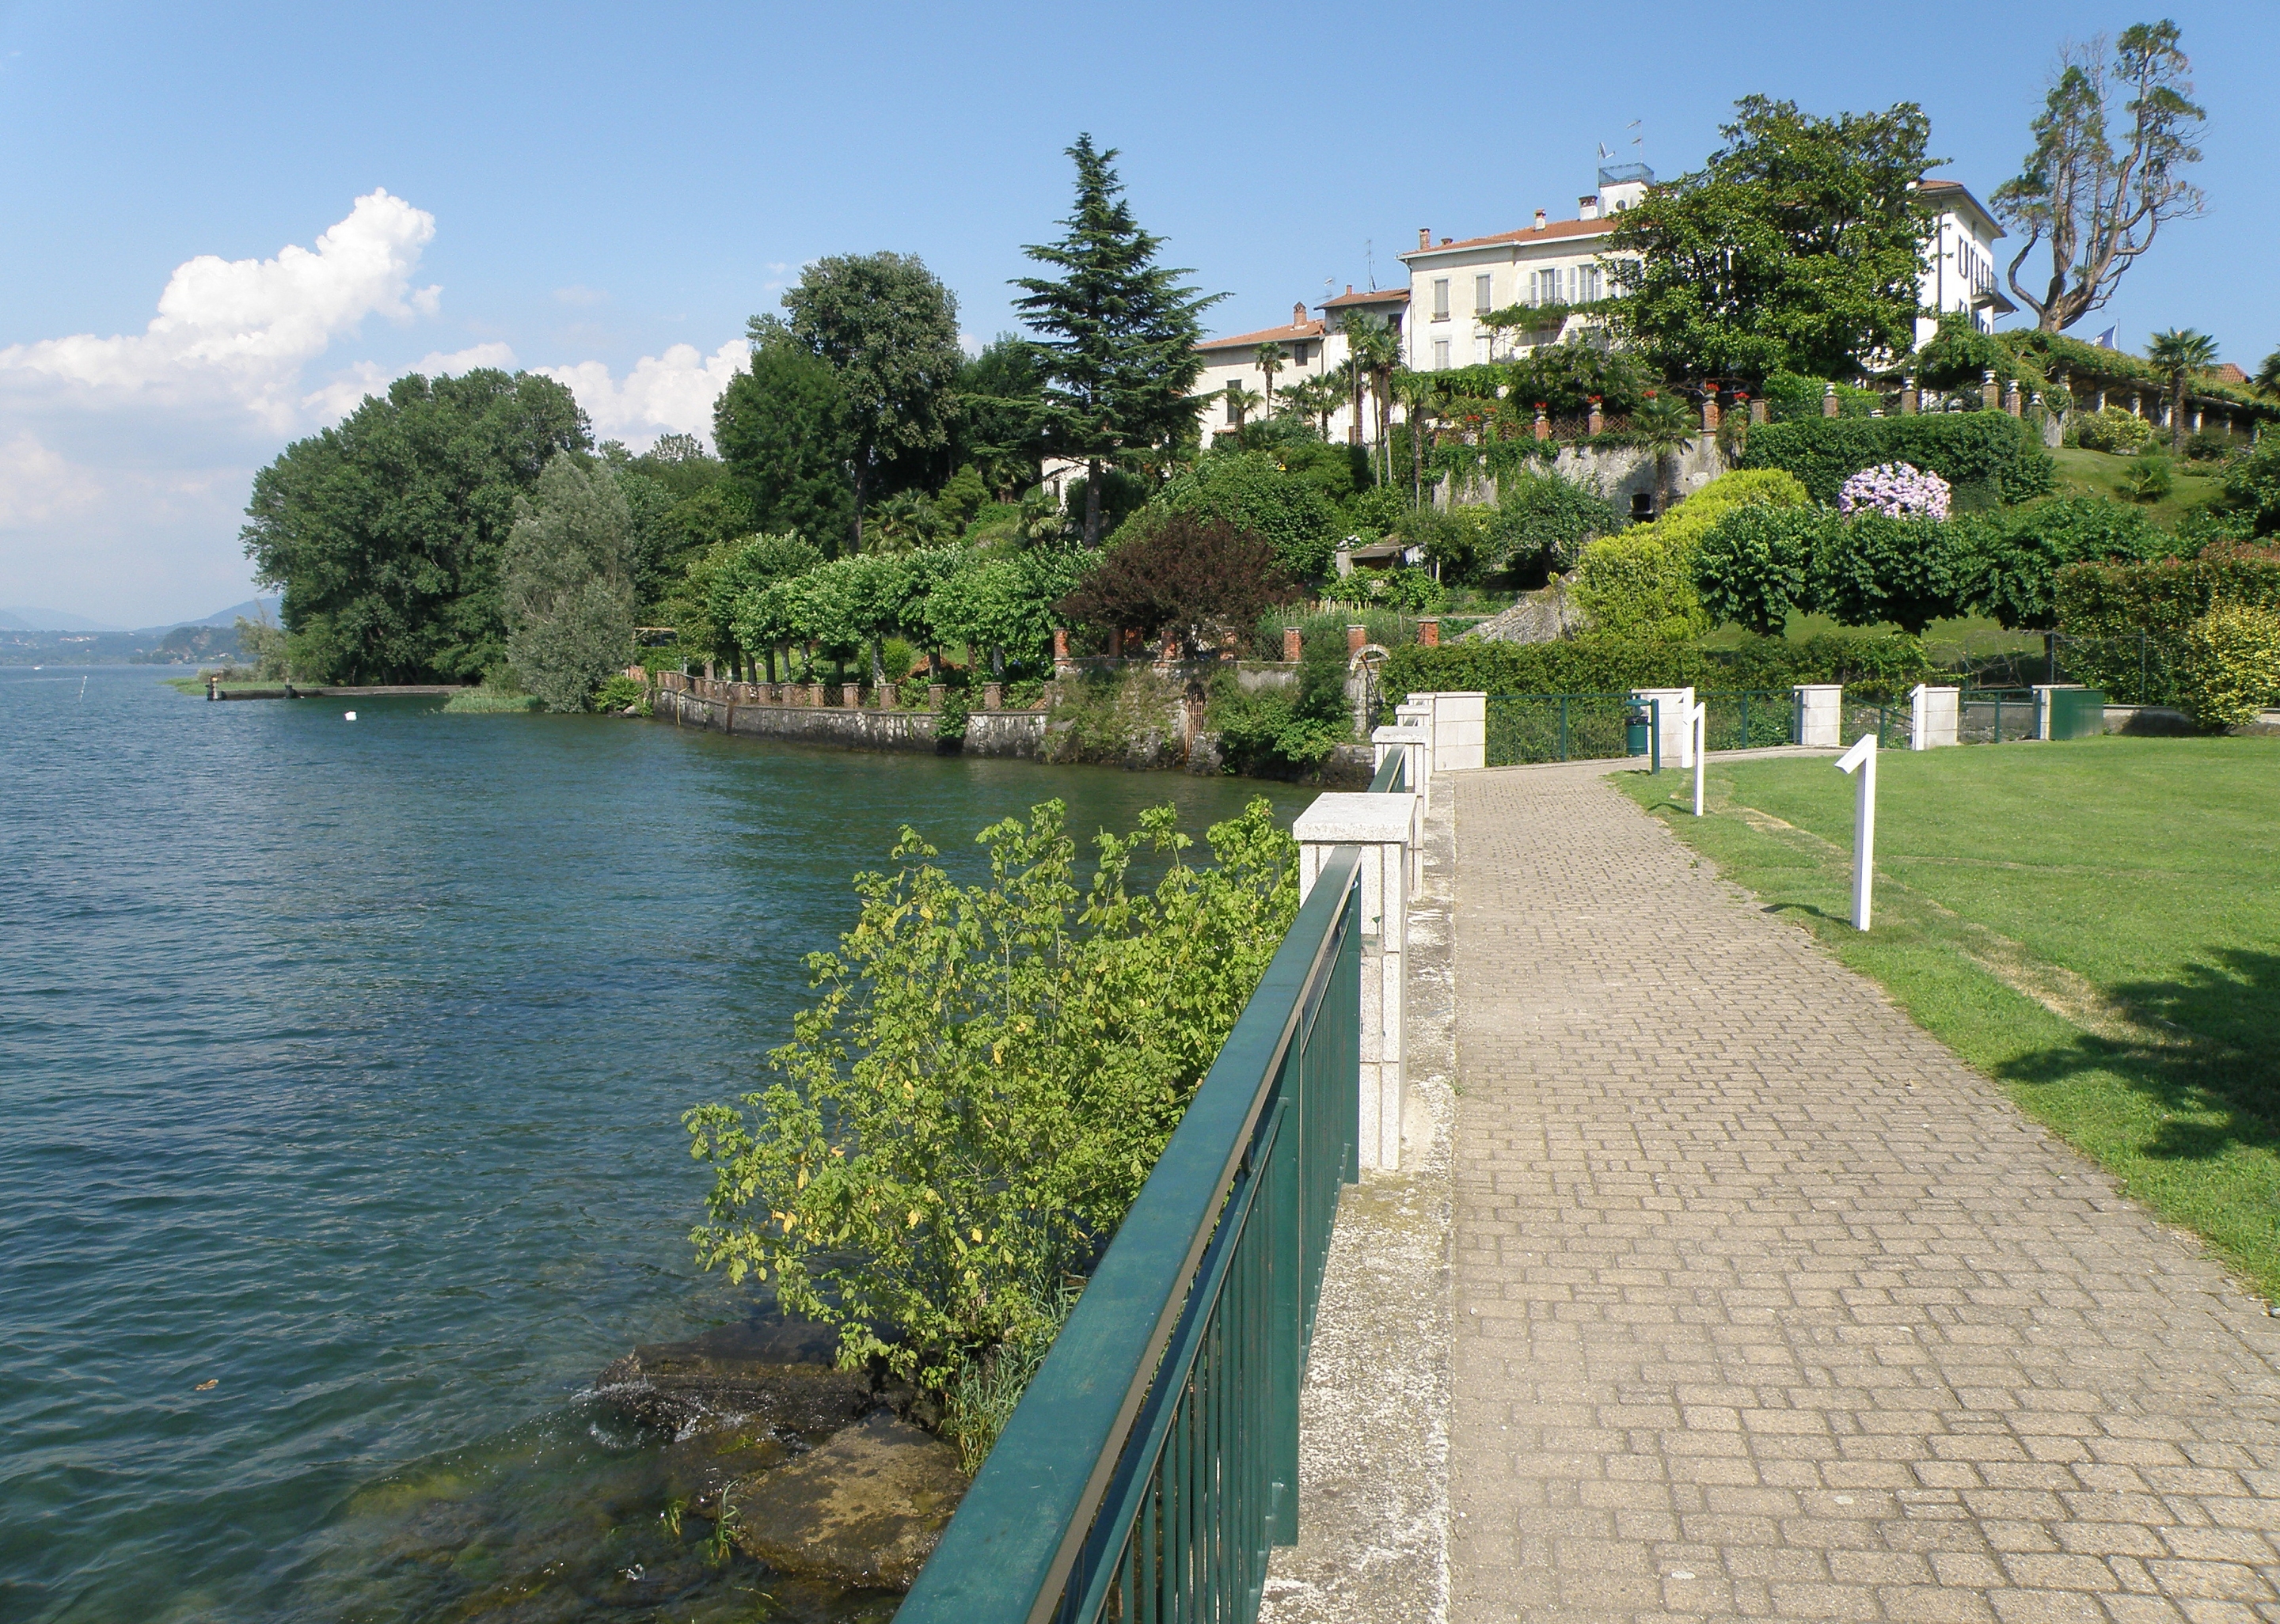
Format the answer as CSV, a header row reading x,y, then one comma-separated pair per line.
x,y
819,1472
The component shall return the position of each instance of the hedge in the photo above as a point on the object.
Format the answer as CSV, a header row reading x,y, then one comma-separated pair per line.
x,y
1603,665
2126,624
1990,449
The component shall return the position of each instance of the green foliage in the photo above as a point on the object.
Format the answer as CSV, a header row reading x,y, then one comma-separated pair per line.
x,y
1456,538
2229,665
1599,663
990,1073
1543,517
1640,583
385,530
1007,604
1791,397
1278,728
1757,564
1000,416
1962,448
2124,621
1797,247
1565,376
1257,492
1959,356
2016,555
1118,332
887,330
486,700
782,427
1413,592
2112,430
2250,486
1873,567
2149,475
565,587
264,645
619,691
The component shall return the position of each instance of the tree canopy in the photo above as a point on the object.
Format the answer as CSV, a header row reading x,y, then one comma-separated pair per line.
x,y
1118,333
384,531
1796,247
887,330
566,588
782,429
2093,200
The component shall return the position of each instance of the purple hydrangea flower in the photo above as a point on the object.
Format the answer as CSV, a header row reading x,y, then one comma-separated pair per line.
x,y
1898,489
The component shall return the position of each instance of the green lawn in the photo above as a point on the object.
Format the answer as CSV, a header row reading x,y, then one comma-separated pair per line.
x,y
2100,474
2095,925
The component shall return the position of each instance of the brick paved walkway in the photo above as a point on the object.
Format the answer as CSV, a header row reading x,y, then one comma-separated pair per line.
x,y
1767,1306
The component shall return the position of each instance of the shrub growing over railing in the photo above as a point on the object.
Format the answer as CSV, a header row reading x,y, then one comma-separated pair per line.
x,y
1600,664
990,1074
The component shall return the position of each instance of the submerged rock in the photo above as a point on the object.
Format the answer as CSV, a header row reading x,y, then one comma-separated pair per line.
x,y
865,1509
770,1374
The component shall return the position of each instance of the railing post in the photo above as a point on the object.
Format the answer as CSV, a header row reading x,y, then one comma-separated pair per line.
x,y
1385,826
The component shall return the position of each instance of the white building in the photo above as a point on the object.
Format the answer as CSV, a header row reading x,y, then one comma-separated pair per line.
x,y
1960,272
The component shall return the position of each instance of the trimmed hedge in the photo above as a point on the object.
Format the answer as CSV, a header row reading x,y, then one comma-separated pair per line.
x,y
1991,449
2126,624
1601,665
2229,667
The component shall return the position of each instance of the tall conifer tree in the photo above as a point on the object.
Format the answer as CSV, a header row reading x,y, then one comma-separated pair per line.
x,y
1119,333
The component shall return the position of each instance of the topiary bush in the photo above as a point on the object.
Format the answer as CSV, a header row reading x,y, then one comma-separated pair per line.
x,y
1963,448
1757,565
2229,665
1874,567
1640,583
1603,665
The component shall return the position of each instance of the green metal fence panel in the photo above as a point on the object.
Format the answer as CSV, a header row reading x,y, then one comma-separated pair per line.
x,y
1755,719
1525,728
2078,713
1153,1462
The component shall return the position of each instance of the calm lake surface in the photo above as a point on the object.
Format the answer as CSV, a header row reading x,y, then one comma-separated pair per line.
x,y
340,1068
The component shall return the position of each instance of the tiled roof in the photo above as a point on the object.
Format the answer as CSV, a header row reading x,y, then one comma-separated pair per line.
x,y
1382,295
1934,189
2225,371
1266,335
1553,231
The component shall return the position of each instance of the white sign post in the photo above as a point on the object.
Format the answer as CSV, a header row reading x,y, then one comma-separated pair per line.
x,y
1701,742
1861,758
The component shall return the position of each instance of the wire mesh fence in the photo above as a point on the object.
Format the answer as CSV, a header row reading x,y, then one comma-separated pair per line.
x,y
1995,715
1526,728
1757,718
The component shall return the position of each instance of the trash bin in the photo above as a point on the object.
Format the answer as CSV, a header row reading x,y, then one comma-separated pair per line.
x,y
1635,723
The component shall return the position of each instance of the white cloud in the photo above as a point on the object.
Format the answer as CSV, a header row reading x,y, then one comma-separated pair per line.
x,y
37,485
244,328
668,394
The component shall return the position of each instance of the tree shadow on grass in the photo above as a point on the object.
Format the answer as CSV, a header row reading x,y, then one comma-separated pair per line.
x,y
2203,1050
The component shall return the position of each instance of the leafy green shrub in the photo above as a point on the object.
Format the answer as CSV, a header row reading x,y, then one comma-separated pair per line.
x,y
486,700
1253,492
991,1072
1413,591
1275,728
2229,665
2015,556
2112,430
1598,663
1790,397
2251,486
1962,448
2124,620
1874,567
1455,538
1757,565
1639,583
619,692
2209,445
1543,517
2149,475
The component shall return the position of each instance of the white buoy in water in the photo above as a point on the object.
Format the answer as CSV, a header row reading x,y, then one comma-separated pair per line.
x,y
347,716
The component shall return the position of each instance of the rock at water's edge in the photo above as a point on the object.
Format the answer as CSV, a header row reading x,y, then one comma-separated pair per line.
x,y
772,1372
864,1509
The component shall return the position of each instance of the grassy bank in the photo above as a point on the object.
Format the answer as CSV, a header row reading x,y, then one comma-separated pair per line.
x,y
2093,924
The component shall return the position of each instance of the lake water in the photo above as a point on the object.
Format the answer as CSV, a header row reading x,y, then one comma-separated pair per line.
x,y
341,1069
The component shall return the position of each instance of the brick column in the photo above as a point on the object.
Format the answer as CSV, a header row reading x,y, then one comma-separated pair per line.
x,y
1911,397
1356,637
1990,393
1596,422
2010,402
1429,633
1293,645
993,696
1710,413
1543,423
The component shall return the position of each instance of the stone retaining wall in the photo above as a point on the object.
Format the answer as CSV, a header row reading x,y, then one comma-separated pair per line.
x,y
1020,734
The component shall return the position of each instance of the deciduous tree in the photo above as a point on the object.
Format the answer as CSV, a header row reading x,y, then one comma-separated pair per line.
x,y
782,429
565,585
1197,579
1796,246
2094,194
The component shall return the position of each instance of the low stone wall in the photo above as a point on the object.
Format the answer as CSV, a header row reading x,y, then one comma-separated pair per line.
x,y
1019,734
2161,718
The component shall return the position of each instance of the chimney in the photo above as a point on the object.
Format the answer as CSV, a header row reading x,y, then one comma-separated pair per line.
x,y
1298,314
1350,290
1446,241
1587,207
1424,236
1539,219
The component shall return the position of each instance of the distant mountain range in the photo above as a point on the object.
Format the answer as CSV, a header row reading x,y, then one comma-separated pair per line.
x,y
27,619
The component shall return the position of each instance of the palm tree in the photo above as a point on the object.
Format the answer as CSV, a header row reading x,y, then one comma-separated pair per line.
x,y
1419,394
2268,376
1268,359
1665,426
1242,403
2179,353
1375,349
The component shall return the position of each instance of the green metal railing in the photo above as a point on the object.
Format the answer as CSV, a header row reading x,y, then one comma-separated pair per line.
x,y
1525,728
1153,1463
1750,719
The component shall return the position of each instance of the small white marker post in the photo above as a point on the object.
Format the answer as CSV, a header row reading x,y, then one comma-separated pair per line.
x,y
1701,724
347,716
1861,758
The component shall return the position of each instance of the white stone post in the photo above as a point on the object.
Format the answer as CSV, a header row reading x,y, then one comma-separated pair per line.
x,y
1461,732
1677,714
1416,715
1820,714
1385,826
1413,743
1933,715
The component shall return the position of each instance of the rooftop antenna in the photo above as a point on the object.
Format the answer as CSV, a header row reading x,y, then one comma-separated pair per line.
x,y
1638,141
1369,259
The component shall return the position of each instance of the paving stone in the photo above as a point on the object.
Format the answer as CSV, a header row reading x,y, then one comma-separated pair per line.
x,y
1734,1238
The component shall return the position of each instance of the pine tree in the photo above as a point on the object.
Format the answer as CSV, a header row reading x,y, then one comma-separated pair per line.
x,y
1119,333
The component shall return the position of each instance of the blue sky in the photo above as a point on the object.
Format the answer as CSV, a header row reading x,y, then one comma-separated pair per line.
x,y
588,188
